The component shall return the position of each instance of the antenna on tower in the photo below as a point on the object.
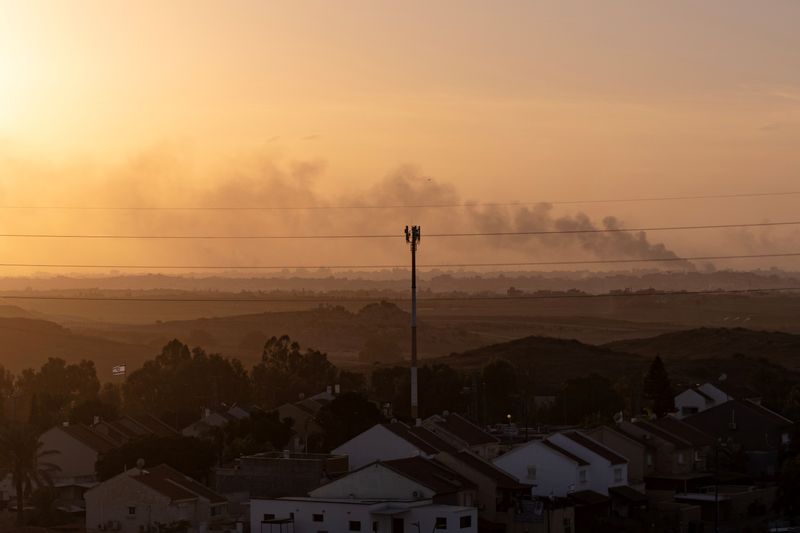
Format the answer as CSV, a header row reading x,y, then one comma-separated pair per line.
x,y
413,238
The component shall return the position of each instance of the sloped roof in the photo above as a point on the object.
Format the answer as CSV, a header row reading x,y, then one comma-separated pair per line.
x,y
596,447
685,431
175,485
154,425
86,436
503,479
405,433
433,475
662,433
433,439
463,429
569,455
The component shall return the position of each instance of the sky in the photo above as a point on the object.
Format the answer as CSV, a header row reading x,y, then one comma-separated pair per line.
x,y
298,103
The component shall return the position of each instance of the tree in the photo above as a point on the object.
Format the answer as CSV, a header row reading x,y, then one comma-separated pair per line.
x,y
6,388
192,456
285,372
440,389
85,412
261,431
499,379
590,398
183,382
21,455
345,417
657,389
56,388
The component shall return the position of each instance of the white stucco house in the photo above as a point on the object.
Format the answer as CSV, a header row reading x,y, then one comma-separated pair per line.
x,y
394,440
142,499
399,496
565,463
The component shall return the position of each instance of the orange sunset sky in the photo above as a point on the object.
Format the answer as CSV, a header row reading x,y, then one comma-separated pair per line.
x,y
308,103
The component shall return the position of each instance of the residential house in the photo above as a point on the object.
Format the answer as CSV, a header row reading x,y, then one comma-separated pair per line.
x,y
748,427
394,440
701,397
397,496
211,419
637,452
77,447
304,425
565,463
504,503
461,433
674,446
145,499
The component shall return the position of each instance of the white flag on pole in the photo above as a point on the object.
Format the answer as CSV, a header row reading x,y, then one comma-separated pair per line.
x,y
119,370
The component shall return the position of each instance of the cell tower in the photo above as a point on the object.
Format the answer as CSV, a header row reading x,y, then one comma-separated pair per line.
x,y
412,238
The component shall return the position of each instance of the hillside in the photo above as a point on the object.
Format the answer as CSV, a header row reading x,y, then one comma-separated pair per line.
x,y
707,343
29,342
553,360
332,329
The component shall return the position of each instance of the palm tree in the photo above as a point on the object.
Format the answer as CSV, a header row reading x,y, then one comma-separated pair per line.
x,y
21,455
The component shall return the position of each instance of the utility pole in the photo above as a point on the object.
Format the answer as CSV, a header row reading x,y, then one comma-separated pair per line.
x,y
413,238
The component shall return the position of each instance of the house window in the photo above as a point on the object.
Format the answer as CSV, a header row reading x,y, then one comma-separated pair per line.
x,y
681,458
355,525
317,518
617,475
531,471
441,523
375,527
131,511
465,521
649,459
582,476
567,525
697,456
214,511
785,439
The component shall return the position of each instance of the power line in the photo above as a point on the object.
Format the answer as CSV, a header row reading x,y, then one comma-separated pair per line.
x,y
431,265
335,299
397,236
400,206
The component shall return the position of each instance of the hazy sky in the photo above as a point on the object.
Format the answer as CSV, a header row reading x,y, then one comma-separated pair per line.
x,y
186,101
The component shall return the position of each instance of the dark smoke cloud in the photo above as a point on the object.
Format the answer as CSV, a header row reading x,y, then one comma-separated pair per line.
x,y
163,178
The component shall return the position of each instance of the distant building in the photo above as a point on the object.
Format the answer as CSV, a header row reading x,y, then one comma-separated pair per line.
x,y
77,447
148,499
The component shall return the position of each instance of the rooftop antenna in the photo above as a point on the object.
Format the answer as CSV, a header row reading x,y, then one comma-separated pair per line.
x,y
413,238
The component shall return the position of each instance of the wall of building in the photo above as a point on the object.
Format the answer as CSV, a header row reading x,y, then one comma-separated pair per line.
x,y
74,459
633,451
555,474
377,443
336,516
111,501
601,473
